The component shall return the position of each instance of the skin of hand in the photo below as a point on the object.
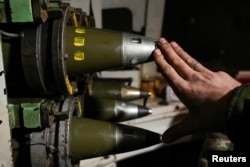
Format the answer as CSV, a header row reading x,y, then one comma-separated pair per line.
x,y
205,93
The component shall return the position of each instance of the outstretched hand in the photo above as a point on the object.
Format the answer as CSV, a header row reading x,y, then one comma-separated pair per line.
x,y
205,93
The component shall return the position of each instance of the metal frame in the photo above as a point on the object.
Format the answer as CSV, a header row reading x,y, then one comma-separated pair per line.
x,y
5,137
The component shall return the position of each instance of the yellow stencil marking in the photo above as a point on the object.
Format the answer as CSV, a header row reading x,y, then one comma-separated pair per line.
x,y
79,41
79,56
80,30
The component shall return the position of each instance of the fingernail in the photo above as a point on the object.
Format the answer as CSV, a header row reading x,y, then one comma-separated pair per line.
x,y
174,44
162,41
157,52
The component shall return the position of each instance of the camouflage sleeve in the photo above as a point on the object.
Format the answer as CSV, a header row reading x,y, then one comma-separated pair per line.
x,y
238,120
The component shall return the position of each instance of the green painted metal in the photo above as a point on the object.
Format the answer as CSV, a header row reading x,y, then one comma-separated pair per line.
x,y
100,109
115,90
21,10
31,115
104,89
92,50
53,5
91,138
14,115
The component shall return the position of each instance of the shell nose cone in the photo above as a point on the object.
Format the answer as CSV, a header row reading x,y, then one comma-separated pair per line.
x,y
144,111
144,93
152,138
137,49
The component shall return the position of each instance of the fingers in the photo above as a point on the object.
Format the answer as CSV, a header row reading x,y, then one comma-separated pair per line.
x,y
186,127
194,64
180,60
167,70
171,134
174,133
180,66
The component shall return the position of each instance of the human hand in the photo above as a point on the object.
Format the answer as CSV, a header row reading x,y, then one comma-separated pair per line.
x,y
205,93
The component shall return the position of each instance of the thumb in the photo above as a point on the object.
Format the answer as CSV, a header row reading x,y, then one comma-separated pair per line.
x,y
185,127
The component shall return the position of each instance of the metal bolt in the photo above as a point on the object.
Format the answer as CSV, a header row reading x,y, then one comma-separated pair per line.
x,y
66,56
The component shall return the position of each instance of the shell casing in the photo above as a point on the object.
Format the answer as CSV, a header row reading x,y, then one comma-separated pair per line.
x,y
91,50
92,138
